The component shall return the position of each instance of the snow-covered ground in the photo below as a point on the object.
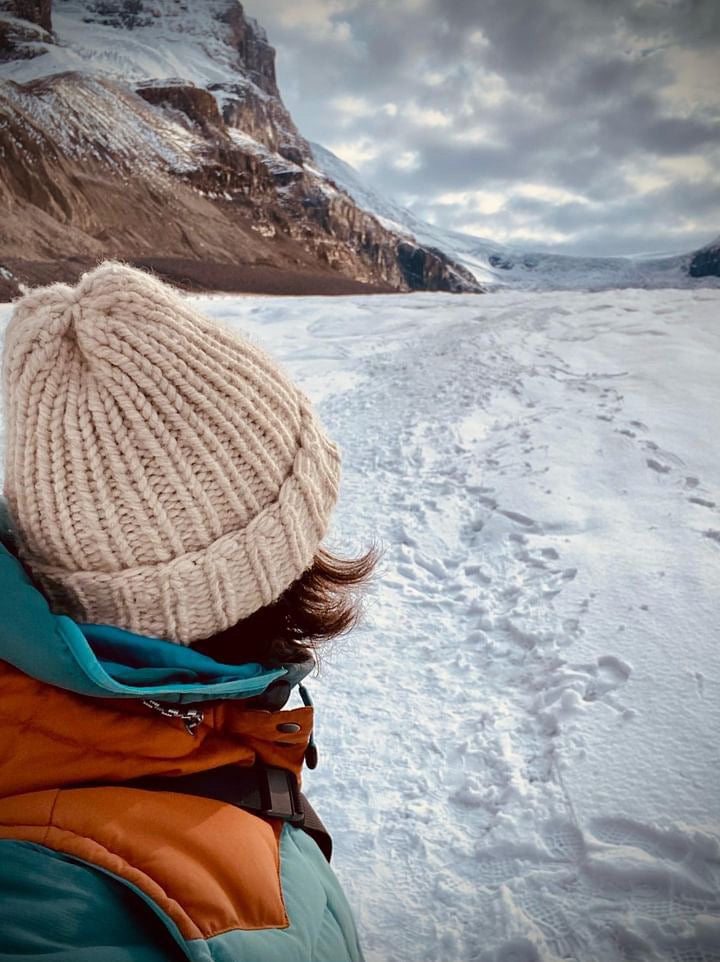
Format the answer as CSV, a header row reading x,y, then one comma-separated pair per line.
x,y
519,748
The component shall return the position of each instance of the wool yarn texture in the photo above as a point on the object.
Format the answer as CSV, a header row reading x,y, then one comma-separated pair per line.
x,y
162,473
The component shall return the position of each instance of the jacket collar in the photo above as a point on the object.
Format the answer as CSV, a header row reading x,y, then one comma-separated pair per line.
x,y
52,735
107,662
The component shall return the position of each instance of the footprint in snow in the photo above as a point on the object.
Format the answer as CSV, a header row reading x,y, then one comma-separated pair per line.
x,y
573,687
611,673
662,461
564,840
522,519
655,889
702,501
552,919
628,833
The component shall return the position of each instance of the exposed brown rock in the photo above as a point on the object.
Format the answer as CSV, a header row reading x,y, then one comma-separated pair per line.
x,y
9,287
196,103
265,120
36,11
23,41
256,56
254,104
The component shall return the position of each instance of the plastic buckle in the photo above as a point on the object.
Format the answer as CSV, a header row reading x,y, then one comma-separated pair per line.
x,y
280,795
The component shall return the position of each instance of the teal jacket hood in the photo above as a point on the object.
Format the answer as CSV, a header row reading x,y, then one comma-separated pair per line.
x,y
108,662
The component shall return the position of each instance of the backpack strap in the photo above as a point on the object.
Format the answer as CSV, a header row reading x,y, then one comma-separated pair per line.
x,y
264,790
315,828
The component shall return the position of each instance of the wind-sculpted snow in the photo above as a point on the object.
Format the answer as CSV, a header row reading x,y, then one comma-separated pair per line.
x,y
518,748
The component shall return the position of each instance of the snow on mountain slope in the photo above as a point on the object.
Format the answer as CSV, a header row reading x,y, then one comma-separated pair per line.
x,y
498,265
99,118
519,747
211,45
173,41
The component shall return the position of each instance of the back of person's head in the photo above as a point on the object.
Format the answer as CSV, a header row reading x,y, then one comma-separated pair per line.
x,y
165,476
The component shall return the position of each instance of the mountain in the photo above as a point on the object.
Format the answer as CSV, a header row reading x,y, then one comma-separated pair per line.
x,y
154,131
497,266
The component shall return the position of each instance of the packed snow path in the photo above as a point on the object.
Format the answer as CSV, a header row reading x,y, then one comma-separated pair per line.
x,y
519,747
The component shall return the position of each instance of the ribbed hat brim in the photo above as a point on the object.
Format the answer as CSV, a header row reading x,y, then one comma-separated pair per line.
x,y
200,593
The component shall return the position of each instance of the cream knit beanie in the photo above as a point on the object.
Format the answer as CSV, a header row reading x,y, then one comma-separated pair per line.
x,y
162,473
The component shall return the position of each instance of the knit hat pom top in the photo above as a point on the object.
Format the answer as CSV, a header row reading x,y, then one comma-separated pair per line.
x,y
163,474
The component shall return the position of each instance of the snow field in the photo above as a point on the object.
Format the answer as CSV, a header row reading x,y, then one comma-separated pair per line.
x,y
519,746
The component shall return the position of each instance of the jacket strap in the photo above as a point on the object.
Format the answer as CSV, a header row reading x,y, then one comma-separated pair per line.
x,y
264,790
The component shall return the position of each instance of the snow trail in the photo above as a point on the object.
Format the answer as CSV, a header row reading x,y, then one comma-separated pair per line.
x,y
494,446
518,748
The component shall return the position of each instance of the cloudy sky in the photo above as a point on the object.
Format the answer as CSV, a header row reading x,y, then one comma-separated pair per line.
x,y
591,126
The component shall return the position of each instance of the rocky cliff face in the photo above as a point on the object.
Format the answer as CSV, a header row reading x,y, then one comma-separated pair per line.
x,y
24,25
126,159
34,11
706,261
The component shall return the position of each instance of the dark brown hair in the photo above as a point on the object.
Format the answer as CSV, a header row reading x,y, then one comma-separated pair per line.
x,y
322,603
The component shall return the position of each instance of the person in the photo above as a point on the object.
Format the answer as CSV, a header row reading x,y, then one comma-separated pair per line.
x,y
163,588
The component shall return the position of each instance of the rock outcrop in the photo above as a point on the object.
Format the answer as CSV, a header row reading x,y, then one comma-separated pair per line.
x,y
197,104
176,170
25,27
35,11
706,261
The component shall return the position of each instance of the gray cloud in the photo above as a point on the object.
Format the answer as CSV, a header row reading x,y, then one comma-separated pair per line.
x,y
622,225
611,107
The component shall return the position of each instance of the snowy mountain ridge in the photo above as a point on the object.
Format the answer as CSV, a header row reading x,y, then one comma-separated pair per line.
x,y
497,266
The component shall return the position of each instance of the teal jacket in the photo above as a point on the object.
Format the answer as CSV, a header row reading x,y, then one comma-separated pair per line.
x,y
117,874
